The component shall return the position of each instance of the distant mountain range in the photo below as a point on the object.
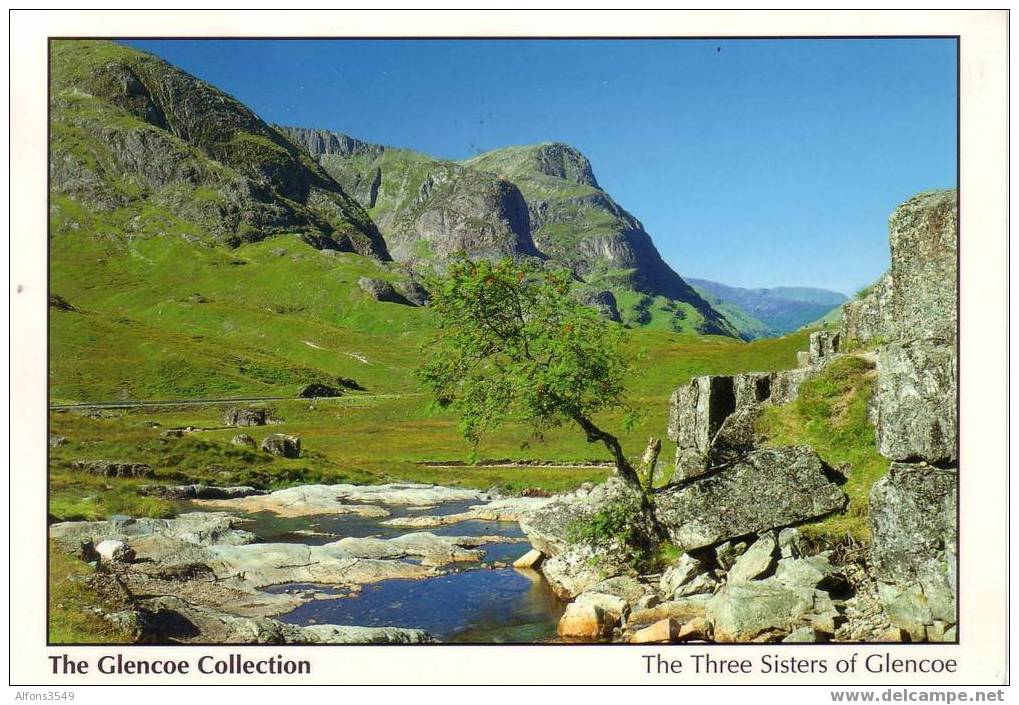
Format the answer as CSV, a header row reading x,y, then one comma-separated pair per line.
x,y
762,313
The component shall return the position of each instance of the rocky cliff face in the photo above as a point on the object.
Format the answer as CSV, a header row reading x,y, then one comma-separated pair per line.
x,y
538,201
428,209
128,128
913,508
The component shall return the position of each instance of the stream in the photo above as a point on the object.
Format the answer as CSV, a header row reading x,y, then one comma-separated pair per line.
x,y
471,602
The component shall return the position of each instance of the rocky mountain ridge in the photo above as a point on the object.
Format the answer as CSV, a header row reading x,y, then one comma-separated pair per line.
x,y
538,200
131,131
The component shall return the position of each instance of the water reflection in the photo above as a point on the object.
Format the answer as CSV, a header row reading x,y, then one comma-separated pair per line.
x,y
495,606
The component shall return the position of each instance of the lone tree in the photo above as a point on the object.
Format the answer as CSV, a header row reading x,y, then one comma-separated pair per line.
x,y
513,342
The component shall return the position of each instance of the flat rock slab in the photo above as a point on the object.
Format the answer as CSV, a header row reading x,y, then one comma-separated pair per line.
x,y
434,550
767,610
505,509
260,565
769,488
195,528
363,500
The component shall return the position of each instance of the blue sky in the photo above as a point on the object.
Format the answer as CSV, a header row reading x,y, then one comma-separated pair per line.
x,y
751,162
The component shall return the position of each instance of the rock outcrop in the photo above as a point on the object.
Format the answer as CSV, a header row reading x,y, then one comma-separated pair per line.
x,y
912,314
769,488
282,445
246,416
590,535
913,520
128,126
533,201
916,402
869,317
383,291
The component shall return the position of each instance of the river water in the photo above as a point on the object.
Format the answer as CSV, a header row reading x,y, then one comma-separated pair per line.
x,y
472,602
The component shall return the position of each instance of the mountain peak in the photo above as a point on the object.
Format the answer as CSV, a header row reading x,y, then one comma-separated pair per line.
x,y
556,159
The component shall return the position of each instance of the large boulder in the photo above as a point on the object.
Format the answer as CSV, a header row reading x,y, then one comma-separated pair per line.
x,y
317,390
696,412
383,291
282,445
870,316
916,402
768,610
769,488
913,549
822,346
736,437
246,416
923,233
590,535
751,388
604,302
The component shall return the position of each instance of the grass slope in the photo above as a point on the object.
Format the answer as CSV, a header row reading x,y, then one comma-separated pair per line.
x,y
830,414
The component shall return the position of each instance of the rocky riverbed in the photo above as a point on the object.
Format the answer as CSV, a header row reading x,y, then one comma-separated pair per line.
x,y
320,564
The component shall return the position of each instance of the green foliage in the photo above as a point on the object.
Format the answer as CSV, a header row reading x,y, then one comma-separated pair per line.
x,y
513,341
830,414
613,526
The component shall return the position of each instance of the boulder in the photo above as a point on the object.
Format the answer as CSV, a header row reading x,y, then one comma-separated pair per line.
x,y
809,572
751,388
770,488
703,583
823,345
383,291
870,316
697,629
243,439
736,437
584,621
785,386
57,441
614,609
682,610
916,402
316,390
415,293
728,552
767,610
531,559
913,548
105,468
791,543
625,587
923,234
604,302
696,412
578,558
348,383
660,632
756,561
680,573
282,445
804,635
245,416
115,550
